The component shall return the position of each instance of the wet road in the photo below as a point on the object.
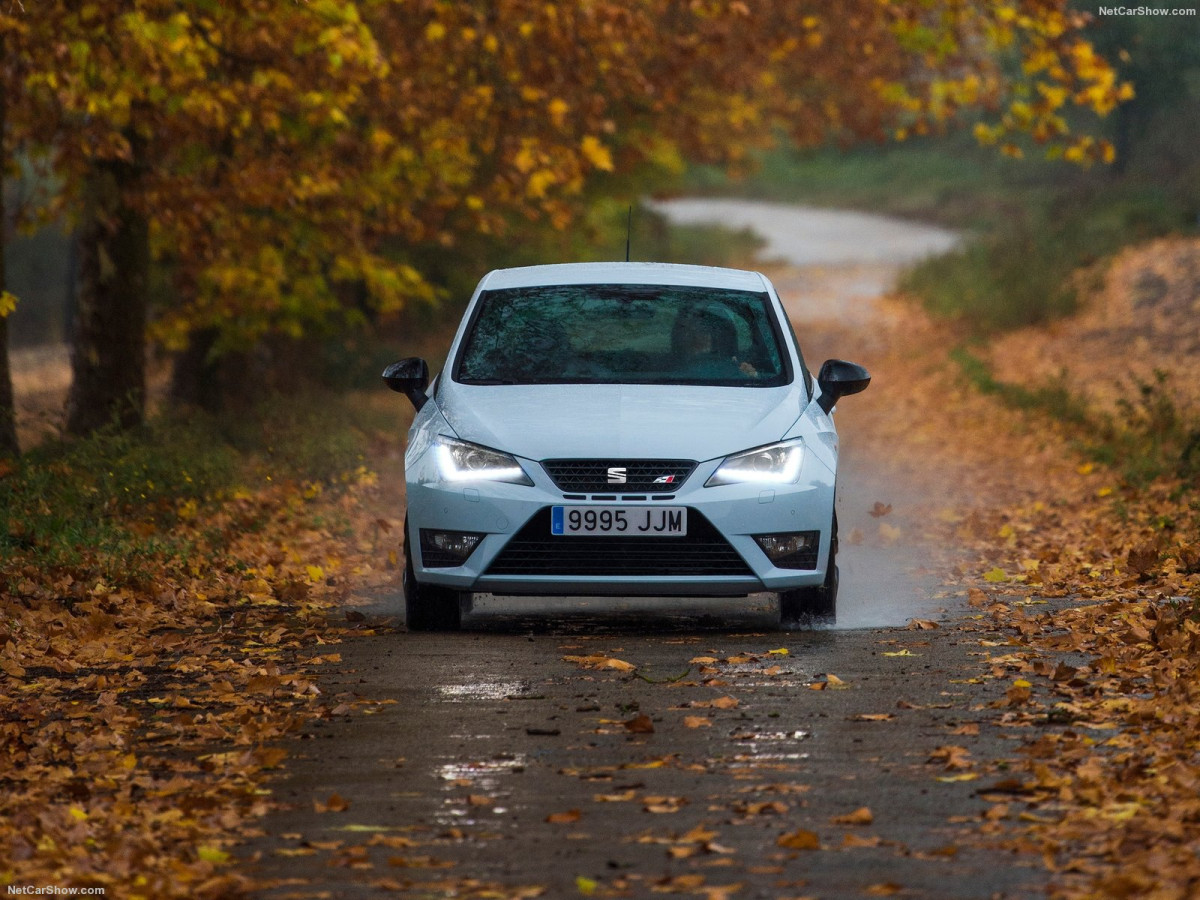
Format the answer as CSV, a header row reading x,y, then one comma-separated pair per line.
x,y
519,756
567,748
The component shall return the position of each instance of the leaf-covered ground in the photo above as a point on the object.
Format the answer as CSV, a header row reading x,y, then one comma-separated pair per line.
x,y
145,702
143,719
1094,580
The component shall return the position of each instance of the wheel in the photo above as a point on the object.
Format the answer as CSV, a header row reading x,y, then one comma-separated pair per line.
x,y
813,604
431,607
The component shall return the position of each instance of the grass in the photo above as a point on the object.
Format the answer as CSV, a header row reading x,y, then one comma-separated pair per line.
x,y
113,505
1020,272
1148,438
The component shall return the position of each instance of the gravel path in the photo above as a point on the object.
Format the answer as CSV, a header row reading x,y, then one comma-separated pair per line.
x,y
842,260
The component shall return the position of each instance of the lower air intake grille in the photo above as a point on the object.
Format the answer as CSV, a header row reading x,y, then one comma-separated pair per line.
x,y
535,551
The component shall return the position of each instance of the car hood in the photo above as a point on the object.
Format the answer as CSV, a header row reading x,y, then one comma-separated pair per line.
x,y
619,420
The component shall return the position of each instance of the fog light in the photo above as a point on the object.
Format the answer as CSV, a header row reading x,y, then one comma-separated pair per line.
x,y
447,548
791,549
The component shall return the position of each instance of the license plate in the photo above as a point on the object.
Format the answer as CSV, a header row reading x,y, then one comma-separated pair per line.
x,y
642,521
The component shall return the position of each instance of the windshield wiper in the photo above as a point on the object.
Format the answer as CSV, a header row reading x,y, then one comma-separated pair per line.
x,y
487,382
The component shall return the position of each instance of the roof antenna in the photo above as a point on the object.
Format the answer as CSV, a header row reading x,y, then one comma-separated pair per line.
x,y
628,231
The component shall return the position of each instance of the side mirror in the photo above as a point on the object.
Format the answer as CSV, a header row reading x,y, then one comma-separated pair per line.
x,y
839,378
409,377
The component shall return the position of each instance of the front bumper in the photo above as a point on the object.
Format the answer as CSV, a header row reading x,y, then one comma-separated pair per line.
x,y
719,557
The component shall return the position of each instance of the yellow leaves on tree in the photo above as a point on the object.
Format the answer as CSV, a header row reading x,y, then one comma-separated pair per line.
x,y
284,147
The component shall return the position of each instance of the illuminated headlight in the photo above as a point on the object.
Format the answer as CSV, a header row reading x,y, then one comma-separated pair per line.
x,y
463,461
774,464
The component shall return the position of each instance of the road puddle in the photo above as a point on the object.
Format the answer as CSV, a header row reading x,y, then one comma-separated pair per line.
x,y
770,735
483,690
482,774
478,790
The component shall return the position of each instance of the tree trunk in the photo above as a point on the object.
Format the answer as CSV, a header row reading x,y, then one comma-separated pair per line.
x,y
8,424
108,346
8,427
196,375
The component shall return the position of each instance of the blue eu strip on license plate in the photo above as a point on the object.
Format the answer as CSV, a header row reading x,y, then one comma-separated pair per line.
x,y
619,521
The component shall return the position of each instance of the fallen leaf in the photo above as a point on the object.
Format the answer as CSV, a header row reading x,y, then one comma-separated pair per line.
x,y
599,661
211,854
639,724
622,797
883,889
697,721
586,886
419,862
270,757
801,839
952,756
766,808
854,840
922,625
719,703
860,816
335,803
949,851
663,804
889,533
569,817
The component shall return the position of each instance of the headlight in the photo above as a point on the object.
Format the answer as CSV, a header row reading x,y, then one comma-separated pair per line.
x,y
463,461
774,464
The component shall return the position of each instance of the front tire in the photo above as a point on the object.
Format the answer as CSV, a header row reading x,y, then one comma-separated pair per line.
x,y
809,605
430,607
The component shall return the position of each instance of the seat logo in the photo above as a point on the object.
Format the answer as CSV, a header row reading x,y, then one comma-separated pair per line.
x,y
616,475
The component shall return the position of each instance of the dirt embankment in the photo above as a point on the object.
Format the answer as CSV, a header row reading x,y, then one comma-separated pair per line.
x,y
1139,316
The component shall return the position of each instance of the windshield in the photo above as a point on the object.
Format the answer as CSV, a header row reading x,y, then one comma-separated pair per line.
x,y
623,334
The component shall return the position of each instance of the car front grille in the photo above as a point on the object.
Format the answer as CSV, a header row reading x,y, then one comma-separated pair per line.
x,y
587,476
535,551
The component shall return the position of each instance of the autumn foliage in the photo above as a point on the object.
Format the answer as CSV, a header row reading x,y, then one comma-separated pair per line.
x,y
286,162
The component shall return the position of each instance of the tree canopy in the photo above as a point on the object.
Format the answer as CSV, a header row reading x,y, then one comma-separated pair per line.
x,y
287,159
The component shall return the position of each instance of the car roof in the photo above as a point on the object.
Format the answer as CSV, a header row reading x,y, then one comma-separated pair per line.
x,y
624,273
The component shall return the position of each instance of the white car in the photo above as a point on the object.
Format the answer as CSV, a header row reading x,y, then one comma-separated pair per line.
x,y
634,429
